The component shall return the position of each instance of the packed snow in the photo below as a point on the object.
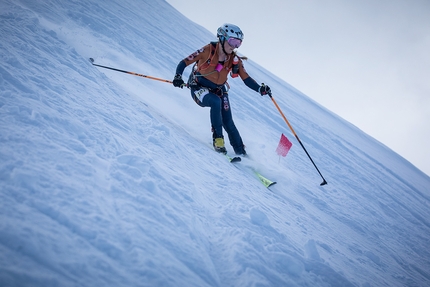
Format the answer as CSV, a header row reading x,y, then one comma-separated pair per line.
x,y
109,179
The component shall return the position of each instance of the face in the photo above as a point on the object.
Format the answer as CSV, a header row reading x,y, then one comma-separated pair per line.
x,y
234,42
231,44
227,48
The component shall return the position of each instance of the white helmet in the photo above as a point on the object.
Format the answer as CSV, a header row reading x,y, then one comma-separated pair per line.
x,y
229,31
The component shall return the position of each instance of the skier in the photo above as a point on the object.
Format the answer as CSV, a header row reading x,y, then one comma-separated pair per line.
x,y
208,83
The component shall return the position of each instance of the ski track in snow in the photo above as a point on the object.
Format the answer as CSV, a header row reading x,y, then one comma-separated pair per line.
x,y
107,179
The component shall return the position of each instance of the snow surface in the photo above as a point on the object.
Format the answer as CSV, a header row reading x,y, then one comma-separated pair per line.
x,y
108,179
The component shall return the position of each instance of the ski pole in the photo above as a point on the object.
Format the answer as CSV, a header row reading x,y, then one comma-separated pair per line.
x,y
297,137
131,73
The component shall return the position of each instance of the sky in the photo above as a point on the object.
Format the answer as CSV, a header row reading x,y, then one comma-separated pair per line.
x,y
367,61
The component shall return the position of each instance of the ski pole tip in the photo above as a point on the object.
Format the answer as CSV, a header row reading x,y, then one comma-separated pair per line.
x,y
323,183
91,60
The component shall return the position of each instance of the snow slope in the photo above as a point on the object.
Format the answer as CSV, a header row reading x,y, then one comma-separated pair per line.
x,y
108,179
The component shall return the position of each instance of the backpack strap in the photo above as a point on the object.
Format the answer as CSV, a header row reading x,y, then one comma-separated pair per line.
x,y
210,60
192,79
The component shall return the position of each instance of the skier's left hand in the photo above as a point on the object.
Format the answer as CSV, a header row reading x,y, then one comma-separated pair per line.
x,y
265,90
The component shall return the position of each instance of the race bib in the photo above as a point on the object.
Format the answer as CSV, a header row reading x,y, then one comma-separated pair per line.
x,y
200,94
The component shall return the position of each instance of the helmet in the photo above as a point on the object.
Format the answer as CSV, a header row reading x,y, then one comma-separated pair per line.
x,y
229,31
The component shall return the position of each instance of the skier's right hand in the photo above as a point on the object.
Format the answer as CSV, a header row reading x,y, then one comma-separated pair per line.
x,y
178,82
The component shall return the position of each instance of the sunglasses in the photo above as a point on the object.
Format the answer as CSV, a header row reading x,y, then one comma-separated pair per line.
x,y
234,42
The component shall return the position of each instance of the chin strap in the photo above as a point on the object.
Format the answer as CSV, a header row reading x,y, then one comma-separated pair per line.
x,y
222,41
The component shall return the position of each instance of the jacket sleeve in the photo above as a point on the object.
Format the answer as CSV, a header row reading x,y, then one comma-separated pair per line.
x,y
252,84
181,67
194,57
248,80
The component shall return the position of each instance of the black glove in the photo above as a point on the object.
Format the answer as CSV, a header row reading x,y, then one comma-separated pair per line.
x,y
265,90
178,82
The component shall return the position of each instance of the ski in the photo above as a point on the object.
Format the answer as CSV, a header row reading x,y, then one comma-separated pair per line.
x,y
265,181
233,159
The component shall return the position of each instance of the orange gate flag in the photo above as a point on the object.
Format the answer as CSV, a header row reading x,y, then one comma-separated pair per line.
x,y
283,146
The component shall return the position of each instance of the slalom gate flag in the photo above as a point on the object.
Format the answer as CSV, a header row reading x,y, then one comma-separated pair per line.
x,y
283,146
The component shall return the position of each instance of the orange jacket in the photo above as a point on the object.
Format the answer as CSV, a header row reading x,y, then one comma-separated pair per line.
x,y
207,60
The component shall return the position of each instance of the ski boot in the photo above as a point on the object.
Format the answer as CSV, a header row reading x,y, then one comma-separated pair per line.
x,y
218,144
240,150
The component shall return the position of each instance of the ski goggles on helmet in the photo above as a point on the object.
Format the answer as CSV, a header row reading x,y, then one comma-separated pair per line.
x,y
234,42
